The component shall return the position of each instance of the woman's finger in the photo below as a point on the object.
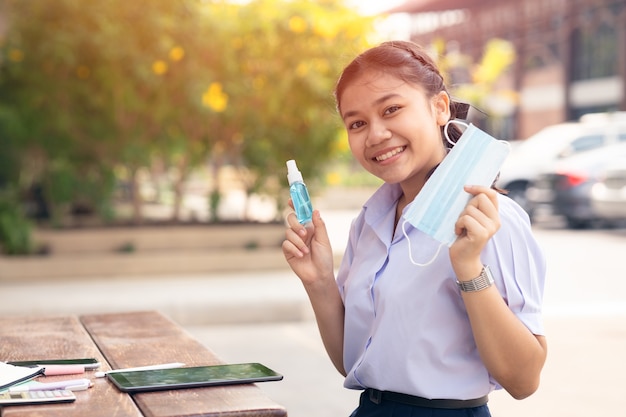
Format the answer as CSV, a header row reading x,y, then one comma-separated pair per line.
x,y
297,240
291,250
294,224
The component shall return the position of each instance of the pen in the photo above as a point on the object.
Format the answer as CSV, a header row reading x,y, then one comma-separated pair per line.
x,y
69,385
63,369
142,368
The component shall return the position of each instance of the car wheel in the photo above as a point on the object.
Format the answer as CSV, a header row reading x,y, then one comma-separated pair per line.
x,y
574,223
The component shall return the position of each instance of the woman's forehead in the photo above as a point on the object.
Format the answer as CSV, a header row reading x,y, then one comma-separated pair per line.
x,y
376,79
375,83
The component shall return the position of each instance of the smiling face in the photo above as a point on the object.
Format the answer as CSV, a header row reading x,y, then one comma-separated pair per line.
x,y
394,128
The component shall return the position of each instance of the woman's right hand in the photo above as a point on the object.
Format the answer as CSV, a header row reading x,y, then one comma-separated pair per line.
x,y
307,249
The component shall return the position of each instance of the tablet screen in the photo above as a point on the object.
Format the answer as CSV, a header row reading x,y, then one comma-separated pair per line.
x,y
199,376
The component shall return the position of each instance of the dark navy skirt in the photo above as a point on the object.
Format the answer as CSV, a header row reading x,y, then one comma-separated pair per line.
x,y
384,408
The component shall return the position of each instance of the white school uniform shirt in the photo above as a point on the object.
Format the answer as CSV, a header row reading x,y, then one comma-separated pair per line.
x,y
406,327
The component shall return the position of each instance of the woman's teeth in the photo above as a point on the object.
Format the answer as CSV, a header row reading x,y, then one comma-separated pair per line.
x,y
389,154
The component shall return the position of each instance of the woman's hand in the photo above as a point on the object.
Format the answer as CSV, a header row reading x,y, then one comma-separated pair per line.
x,y
478,222
307,249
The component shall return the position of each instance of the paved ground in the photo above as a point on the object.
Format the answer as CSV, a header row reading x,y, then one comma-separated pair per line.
x,y
266,318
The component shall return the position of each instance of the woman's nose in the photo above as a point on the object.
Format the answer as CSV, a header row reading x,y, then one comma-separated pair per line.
x,y
378,133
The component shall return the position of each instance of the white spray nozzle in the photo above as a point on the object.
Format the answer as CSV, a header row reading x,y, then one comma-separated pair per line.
x,y
293,174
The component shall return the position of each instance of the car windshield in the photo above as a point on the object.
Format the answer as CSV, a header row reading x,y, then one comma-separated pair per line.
x,y
593,160
550,140
560,141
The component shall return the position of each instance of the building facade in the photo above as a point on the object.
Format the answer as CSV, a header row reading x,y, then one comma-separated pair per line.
x,y
571,54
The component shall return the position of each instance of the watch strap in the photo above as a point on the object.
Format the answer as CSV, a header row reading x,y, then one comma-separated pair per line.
x,y
481,282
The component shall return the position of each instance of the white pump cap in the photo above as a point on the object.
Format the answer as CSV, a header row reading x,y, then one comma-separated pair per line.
x,y
293,175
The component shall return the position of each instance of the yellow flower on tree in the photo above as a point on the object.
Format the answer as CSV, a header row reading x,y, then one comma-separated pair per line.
x,y
297,24
237,43
177,53
215,98
499,55
333,178
302,69
326,29
16,55
341,143
159,67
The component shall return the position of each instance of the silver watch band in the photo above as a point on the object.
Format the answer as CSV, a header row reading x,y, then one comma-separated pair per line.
x,y
481,282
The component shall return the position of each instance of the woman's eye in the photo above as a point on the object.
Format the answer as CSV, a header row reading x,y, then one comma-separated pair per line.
x,y
356,125
391,109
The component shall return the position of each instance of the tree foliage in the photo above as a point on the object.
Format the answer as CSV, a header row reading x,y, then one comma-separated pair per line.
x,y
90,89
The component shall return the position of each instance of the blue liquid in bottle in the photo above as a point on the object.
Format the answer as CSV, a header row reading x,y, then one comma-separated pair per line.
x,y
299,193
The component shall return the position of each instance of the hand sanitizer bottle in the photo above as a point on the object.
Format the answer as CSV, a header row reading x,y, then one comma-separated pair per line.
x,y
299,193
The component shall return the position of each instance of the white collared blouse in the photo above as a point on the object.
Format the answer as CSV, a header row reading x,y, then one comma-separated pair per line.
x,y
406,328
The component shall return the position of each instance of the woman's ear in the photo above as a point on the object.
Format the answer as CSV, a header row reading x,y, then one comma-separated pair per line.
x,y
441,103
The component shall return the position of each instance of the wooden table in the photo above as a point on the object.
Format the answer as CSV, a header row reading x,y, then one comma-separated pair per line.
x,y
125,340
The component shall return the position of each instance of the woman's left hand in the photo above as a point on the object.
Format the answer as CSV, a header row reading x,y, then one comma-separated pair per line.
x,y
478,222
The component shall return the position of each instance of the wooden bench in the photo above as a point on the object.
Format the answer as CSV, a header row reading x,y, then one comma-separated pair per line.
x,y
125,340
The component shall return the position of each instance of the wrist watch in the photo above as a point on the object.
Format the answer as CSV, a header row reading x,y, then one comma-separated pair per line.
x,y
481,282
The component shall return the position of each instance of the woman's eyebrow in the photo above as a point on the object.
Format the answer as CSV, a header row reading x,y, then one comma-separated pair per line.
x,y
375,103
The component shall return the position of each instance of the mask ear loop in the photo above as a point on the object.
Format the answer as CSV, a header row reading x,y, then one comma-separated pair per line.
x,y
445,132
411,252
445,129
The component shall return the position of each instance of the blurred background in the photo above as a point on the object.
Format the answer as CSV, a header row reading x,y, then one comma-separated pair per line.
x,y
145,142
114,113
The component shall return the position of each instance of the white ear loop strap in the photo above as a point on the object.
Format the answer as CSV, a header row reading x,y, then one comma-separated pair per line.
x,y
411,252
445,132
445,129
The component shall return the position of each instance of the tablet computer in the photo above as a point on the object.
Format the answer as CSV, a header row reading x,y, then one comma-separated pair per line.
x,y
199,376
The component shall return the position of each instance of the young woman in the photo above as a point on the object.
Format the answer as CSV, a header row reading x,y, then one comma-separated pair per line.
x,y
420,340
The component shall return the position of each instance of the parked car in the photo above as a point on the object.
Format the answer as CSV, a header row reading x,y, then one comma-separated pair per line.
x,y
565,188
553,143
608,195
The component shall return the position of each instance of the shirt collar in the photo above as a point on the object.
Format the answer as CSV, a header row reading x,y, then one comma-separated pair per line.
x,y
381,202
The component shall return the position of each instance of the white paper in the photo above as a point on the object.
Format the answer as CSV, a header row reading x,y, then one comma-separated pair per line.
x,y
11,374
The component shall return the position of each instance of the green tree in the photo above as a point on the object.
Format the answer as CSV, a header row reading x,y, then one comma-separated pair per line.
x,y
88,89
51,82
292,53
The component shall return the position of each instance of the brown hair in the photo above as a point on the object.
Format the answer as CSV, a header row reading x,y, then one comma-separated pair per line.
x,y
410,63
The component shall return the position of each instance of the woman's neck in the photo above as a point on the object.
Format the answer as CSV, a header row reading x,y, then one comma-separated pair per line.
x,y
400,205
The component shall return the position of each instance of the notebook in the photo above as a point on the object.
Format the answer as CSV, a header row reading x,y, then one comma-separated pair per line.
x,y
11,375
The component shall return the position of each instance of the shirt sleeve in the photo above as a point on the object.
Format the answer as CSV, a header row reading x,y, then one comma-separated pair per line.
x,y
518,265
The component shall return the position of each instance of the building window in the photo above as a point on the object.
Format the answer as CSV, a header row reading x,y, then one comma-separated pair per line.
x,y
594,53
576,113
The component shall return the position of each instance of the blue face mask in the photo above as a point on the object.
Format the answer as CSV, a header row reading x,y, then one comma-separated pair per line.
x,y
475,159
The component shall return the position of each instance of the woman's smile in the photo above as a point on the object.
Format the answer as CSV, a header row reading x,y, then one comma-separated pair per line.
x,y
389,154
